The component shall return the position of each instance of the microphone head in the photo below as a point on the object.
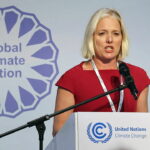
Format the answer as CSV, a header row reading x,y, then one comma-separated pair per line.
x,y
123,69
125,72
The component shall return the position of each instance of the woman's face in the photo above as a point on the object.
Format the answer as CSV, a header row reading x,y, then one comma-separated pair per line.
x,y
107,39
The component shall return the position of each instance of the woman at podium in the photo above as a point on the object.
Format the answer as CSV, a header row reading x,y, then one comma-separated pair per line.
x,y
105,46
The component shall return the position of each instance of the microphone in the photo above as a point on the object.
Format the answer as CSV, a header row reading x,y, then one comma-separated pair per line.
x,y
124,70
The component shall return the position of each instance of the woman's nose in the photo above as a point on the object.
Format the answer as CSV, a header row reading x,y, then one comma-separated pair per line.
x,y
109,39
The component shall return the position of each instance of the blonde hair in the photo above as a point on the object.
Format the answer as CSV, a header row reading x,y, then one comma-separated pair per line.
x,y
88,46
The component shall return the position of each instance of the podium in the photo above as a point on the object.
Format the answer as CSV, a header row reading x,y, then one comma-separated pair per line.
x,y
104,131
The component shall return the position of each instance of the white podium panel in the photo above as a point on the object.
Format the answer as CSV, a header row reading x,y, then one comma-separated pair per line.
x,y
104,131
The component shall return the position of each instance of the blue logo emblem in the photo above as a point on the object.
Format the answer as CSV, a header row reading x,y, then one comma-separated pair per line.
x,y
99,132
28,61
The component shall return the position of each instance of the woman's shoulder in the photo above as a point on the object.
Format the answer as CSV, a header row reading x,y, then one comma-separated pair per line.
x,y
69,78
137,71
75,70
140,76
135,68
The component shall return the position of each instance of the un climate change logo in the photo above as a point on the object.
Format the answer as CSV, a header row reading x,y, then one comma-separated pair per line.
x,y
99,132
28,61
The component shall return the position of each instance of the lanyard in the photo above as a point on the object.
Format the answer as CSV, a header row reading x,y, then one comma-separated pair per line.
x,y
105,89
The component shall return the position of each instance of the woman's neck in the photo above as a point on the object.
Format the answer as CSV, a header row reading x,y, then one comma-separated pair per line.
x,y
105,65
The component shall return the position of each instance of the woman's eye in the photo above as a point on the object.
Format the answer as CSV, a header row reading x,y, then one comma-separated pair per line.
x,y
116,33
101,33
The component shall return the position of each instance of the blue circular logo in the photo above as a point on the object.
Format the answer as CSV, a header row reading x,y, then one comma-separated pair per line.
x,y
99,132
28,61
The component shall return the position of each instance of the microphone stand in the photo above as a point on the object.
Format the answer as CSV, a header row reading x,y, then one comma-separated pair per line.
x,y
39,122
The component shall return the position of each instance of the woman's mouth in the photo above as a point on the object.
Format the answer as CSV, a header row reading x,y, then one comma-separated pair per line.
x,y
109,49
